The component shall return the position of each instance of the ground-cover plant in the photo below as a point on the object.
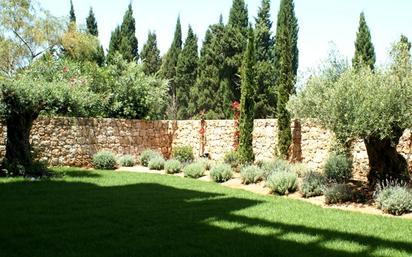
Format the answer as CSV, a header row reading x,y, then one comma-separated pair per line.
x,y
221,172
394,199
313,184
338,168
194,170
282,182
173,166
104,160
338,193
127,161
156,163
251,174
183,153
147,155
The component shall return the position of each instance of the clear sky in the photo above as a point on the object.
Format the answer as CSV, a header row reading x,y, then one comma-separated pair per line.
x,y
320,21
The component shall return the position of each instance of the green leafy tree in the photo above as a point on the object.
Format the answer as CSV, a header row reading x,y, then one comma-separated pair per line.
x,y
235,41
186,73
92,24
366,104
150,55
286,56
265,70
72,15
128,47
364,49
247,102
114,44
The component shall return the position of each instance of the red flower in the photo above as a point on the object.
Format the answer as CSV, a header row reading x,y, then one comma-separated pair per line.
x,y
65,69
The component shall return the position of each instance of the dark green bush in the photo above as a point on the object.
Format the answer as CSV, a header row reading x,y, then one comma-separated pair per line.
x,y
338,193
173,166
147,155
395,200
104,160
251,174
194,170
232,158
157,163
313,184
127,161
338,168
282,182
183,153
221,172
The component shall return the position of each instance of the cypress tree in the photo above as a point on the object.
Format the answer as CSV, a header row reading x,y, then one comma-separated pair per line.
x,y
265,93
168,69
92,24
286,56
364,49
150,55
114,44
235,41
128,43
72,14
186,73
247,102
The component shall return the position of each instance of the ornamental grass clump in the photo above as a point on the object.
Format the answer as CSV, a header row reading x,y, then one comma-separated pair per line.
x,y
147,155
173,166
282,182
251,174
104,160
127,161
156,163
221,172
394,199
194,170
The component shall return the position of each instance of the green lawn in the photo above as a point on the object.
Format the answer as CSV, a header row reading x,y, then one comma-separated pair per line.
x,y
126,214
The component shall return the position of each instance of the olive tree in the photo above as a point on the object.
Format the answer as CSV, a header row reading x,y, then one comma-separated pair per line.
x,y
371,105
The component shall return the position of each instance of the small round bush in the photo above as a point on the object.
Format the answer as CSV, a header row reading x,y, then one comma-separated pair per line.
x,y
221,172
194,170
173,166
338,193
157,163
183,153
232,158
300,169
274,166
127,161
251,174
147,155
313,184
282,182
206,162
104,160
395,200
338,168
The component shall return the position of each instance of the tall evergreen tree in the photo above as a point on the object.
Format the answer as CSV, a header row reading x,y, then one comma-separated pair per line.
x,y
150,55
364,49
128,44
72,14
92,23
207,94
247,102
235,41
265,70
168,69
286,56
186,73
114,44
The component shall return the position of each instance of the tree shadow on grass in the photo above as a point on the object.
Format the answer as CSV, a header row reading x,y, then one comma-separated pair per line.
x,y
78,219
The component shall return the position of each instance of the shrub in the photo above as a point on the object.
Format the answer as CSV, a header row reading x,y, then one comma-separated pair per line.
x,y
194,170
147,155
173,166
221,172
251,174
395,200
206,162
104,160
127,161
300,169
232,158
274,166
156,163
313,184
183,153
338,168
338,193
282,182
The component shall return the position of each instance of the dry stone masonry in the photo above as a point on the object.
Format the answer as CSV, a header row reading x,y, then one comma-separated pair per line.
x,y
73,141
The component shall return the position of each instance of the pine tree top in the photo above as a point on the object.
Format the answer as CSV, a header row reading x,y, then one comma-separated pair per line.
x,y
72,14
238,16
364,49
92,23
177,39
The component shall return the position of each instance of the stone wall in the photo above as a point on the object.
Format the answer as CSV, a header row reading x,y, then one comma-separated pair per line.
x,y
73,141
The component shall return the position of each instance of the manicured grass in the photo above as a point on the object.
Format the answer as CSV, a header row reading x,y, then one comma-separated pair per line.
x,y
105,213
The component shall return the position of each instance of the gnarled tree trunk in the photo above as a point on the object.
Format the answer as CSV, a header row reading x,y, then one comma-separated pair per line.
x,y
384,161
